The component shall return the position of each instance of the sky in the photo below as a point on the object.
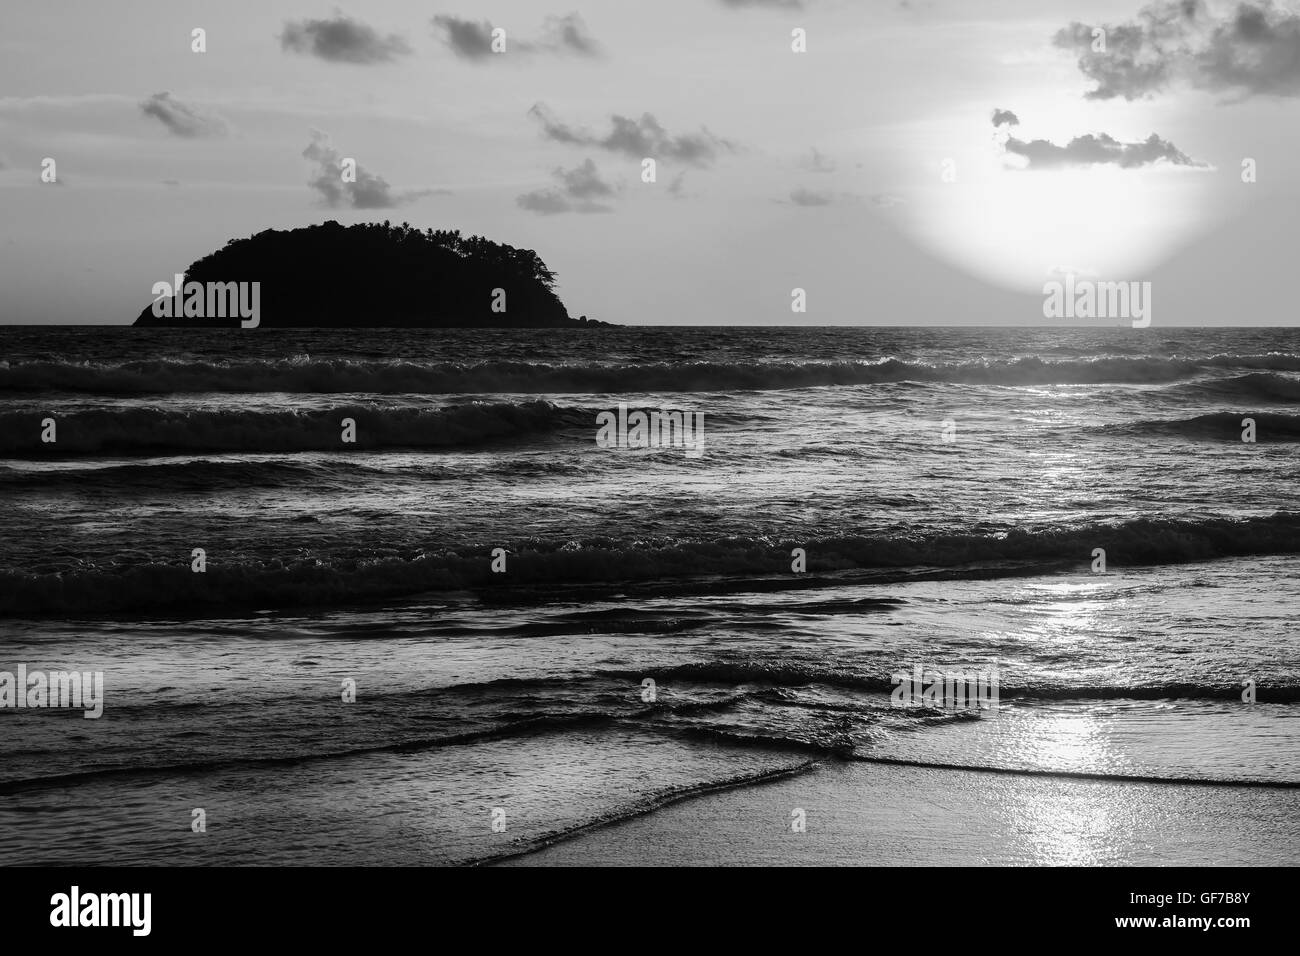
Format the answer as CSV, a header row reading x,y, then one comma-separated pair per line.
x,y
931,162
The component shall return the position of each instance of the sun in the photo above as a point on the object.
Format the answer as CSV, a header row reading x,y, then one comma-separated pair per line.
x,y
1019,228
983,211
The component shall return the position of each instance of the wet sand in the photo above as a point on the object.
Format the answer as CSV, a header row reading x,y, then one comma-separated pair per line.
x,y
880,815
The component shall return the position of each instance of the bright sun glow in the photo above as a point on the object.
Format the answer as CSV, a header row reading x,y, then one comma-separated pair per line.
x,y
1019,227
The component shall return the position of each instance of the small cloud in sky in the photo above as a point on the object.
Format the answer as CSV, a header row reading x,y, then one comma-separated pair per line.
x,y
472,39
466,38
342,40
577,191
818,162
182,119
637,138
764,4
1099,150
367,192
568,34
811,197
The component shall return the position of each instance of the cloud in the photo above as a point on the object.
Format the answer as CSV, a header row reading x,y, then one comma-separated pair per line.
x,y
568,34
810,197
472,40
467,39
676,188
813,198
341,40
638,139
1251,49
182,119
818,162
1005,117
368,192
1098,150
577,191
546,202
886,200
768,4
584,182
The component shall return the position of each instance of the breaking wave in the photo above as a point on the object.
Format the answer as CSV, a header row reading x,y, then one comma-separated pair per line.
x,y
334,578
342,376
134,431
1217,426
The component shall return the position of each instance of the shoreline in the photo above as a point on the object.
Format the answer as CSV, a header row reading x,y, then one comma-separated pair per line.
x,y
877,814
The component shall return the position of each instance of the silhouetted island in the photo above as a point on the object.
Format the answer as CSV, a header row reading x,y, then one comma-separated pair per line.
x,y
368,275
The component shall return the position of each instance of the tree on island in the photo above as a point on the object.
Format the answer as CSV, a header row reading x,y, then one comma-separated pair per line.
x,y
379,275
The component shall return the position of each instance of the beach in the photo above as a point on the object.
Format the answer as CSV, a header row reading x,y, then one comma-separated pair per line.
x,y
863,814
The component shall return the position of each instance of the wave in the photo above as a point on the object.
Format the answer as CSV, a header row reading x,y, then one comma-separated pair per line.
x,y
136,431
339,376
205,475
1278,361
649,803
196,474
530,726
1079,774
358,576
1225,426
798,675
1258,386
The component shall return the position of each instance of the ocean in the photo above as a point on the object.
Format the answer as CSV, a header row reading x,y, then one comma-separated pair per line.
x,y
474,631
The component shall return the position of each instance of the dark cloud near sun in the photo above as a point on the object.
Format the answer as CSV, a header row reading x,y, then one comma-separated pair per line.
x,y
182,119
1098,150
472,40
342,40
1250,48
638,139
1005,118
578,190
368,192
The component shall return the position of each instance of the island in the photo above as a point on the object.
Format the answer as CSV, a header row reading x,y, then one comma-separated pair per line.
x,y
367,275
